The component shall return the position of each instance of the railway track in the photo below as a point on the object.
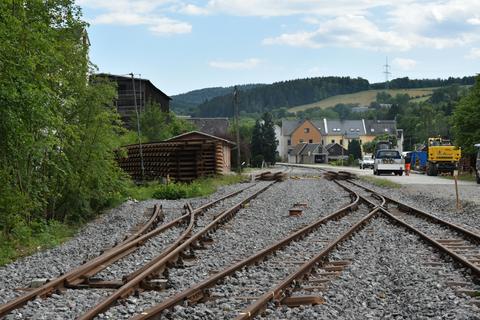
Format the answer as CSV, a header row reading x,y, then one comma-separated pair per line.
x,y
285,262
83,276
290,272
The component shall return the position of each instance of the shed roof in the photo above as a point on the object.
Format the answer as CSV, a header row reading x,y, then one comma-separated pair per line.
x,y
206,135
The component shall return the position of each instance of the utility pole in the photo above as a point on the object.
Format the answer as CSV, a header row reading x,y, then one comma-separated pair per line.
x,y
387,73
138,127
237,127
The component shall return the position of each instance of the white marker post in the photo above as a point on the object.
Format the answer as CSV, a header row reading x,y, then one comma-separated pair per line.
x,y
455,177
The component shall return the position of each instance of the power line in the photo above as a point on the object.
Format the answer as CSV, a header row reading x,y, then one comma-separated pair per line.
x,y
387,73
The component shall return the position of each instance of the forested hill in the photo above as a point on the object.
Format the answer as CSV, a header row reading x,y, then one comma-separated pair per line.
x,y
186,103
406,83
282,94
258,98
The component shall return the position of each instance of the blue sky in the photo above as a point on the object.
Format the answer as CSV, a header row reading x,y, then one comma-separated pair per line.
x,y
182,45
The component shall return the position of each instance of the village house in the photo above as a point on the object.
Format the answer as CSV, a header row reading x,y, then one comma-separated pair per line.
x,y
329,132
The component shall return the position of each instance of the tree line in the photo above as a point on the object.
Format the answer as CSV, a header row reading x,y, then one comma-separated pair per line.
x,y
58,129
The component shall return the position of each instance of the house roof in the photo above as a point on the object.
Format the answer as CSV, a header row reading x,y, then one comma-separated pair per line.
x,y
313,148
308,149
351,129
298,149
288,126
206,135
377,127
213,126
335,149
115,77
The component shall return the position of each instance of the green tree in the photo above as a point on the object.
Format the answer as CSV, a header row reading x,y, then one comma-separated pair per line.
x,y
157,125
466,126
354,149
269,140
256,146
58,129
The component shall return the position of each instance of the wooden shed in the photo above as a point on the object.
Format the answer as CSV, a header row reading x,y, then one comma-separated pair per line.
x,y
223,148
182,158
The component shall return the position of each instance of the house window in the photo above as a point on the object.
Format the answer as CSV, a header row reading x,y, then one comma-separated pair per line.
x,y
310,141
341,142
289,142
333,140
306,130
301,140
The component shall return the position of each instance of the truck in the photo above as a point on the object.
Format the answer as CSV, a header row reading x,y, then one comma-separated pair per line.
x,y
477,163
442,156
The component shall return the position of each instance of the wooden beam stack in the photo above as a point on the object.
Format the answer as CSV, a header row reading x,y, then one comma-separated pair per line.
x,y
179,160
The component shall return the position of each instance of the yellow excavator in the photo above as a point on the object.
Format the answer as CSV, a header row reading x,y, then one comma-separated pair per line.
x,y
442,156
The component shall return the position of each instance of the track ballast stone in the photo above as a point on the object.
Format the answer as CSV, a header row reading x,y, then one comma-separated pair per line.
x,y
388,279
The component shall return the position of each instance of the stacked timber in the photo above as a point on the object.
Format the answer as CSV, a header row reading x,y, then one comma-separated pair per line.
x,y
177,160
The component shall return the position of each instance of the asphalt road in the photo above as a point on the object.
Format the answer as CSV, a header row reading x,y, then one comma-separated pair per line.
x,y
413,178
417,184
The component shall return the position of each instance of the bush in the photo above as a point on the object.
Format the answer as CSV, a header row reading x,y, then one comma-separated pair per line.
x,y
171,191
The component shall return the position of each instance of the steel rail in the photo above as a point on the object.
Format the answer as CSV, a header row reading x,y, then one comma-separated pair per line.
x,y
147,226
438,245
160,265
82,272
198,290
402,206
284,287
474,268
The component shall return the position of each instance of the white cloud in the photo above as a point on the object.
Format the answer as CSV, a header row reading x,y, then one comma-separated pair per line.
x,y
150,13
404,64
194,10
235,65
473,54
274,8
354,31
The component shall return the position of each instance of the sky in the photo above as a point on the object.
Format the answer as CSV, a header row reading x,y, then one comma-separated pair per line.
x,y
183,45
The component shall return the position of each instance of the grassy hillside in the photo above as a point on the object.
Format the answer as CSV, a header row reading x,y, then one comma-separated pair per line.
x,y
363,98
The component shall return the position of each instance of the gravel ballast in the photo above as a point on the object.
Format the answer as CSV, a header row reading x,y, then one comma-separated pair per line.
x,y
388,278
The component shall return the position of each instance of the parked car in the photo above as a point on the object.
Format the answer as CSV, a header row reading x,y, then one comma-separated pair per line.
x,y
388,161
366,162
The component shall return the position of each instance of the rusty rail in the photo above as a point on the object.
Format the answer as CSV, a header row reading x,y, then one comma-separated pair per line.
x,y
161,264
283,288
198,290
81,273
405,207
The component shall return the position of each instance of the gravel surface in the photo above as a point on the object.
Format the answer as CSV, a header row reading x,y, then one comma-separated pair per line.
x,y
247,234
440,206
254,281
91,240
388,279
383,280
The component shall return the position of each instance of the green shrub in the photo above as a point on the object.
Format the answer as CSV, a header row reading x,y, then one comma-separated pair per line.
x,y
171,191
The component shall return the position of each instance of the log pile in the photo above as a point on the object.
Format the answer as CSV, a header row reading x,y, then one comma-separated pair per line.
x,y
177,160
